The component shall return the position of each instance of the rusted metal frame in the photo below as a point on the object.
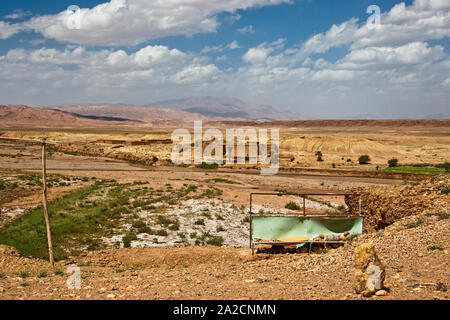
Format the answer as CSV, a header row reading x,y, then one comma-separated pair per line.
x,y
251,215
303,195
297,242
308,216
297,194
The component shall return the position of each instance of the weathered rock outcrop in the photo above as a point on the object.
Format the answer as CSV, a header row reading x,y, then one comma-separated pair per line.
x,y
383,206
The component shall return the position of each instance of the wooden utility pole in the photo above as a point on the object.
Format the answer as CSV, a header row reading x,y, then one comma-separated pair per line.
x,y
44,202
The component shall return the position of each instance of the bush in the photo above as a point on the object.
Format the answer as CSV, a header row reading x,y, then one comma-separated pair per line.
x,y
175,226
319,156
200,222
205,165
215,241
162,233
445,190
292,206
365,159
445,166
220,229
393,162
435,247
138,224
127,239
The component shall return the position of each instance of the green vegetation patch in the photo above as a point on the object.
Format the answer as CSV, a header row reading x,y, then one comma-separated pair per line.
x,y
292,206
435,247
205,165
77,222
415,170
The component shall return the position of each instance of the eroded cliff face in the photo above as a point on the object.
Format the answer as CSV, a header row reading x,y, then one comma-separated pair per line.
x,y
383,206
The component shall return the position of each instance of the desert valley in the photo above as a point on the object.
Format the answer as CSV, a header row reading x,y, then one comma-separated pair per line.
x,y
139,226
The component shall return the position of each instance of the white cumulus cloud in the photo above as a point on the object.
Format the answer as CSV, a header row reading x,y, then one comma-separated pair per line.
x,y
129,22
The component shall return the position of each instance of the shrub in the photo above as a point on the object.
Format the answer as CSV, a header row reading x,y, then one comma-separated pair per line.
x,y
418,222
292,206
193,235
393,162
205,165
365,159
126,239
445,166
215,241
175,226
431,248
162,233
138,224
319,156
440,215
220,229
164,221
445,190
200,222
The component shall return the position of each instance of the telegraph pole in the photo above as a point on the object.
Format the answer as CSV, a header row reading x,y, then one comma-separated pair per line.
x,y
44,202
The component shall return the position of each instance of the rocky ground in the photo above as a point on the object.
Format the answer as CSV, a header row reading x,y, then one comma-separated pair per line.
x,y
408,225
413,249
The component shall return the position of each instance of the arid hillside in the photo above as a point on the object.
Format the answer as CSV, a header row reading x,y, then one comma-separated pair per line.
x,y
13,116
145,114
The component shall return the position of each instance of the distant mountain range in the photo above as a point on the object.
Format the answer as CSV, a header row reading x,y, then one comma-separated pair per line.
x,y
130,113
189,109
221,109
225,107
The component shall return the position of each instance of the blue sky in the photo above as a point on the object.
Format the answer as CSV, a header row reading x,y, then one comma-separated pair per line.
x,y
316,58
